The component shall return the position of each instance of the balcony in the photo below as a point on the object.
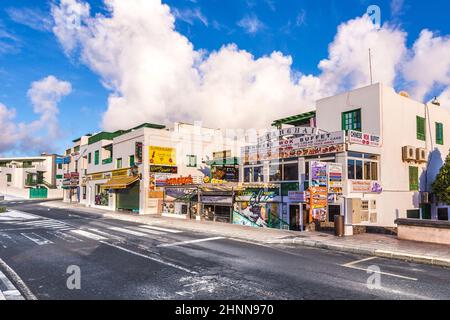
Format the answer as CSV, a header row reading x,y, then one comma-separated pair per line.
x,y
107,161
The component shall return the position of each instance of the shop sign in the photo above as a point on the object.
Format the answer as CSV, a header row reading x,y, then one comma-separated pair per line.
x,y
217,200
180,181
97,176
296,196
120,173
138,153
164,169
66,175
222,154
335,178
365,186
318,203
287,132
162,156
257,196
318,174
365,139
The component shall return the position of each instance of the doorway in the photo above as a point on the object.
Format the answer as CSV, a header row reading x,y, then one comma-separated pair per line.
x,y
294,217
333,210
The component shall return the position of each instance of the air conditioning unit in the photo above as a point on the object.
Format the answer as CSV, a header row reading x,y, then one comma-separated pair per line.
x,y
408,153
424,197
421,155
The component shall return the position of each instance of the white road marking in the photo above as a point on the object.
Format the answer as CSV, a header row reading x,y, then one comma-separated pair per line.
x,y
351,265
189,242
107,235
65,236
149,258
153,232
36,238
132,232
88,235
159,228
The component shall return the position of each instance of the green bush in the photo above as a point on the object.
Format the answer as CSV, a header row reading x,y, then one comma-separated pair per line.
x,y
2,209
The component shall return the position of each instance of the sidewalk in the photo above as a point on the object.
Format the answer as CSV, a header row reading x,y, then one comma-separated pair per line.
x,y
367,244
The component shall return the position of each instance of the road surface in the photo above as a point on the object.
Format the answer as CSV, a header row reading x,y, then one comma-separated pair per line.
x,y
124,260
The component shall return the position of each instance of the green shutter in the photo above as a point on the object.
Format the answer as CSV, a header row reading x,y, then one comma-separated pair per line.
x,y
131,161
439,133
351,120
96,157
89,157
413,178
420,125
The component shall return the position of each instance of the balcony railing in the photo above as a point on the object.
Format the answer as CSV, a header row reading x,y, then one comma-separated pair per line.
x,y
107,161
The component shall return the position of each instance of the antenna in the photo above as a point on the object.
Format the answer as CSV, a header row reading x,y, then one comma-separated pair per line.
x,y
370,66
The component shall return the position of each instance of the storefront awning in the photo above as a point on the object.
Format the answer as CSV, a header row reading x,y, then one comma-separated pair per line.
x,y
119,182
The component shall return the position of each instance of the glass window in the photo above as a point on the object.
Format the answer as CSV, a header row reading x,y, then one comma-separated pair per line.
x,y
275,172
358,170
374,171
247,174
258,174
60,166
96,157
131,160
367,170
119,163
351,169
191,161
290,172
351,120
420,128
439,133
8,177
89,157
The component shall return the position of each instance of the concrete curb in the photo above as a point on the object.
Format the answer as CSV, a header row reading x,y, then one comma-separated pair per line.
x,y
396,255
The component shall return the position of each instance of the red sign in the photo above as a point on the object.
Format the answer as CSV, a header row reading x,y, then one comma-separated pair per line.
x,y
180,181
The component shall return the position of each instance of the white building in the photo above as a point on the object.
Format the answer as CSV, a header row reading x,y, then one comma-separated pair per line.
x,y
389,160
21,176
123,170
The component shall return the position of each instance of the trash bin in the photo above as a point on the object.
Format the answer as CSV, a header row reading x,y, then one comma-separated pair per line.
x,y
339,225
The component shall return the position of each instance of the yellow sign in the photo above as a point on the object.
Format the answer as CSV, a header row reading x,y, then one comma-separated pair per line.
x,y
120,173
162,156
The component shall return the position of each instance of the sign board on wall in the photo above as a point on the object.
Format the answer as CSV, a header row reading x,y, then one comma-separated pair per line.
x,y
138,153
318,174
365,186
164,169
296,196
365,139
162,156
287,132
335,178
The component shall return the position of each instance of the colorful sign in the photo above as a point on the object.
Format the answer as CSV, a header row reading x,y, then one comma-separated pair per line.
x,y
335,178
287,132
138,153
162,156
163,169
365,139
318,203
296,196
180,181
318,174
365,186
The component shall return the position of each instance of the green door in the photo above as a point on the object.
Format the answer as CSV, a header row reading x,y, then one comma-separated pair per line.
x,y
38,193
128,199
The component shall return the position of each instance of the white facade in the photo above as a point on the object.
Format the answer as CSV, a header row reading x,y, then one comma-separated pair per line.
x,y
392,117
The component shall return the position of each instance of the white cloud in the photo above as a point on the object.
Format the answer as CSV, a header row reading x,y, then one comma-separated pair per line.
x,y
158,76
251,24
190,15
39,135
9,43
32,18
429,64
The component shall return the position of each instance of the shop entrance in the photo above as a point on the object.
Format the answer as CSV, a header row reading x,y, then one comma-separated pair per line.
x,y
216,213
128,199
332,211
295,217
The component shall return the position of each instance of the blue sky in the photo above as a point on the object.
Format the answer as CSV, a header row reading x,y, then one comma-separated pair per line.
x,y
300,29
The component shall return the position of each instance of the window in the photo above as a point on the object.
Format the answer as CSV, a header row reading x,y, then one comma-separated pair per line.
x,y
290,172
275,172
439,133
60,166
8,177
131,159
413,214
119,163
364,168
76,149
413,178
258,174
247,174
96,157
351,120
420,128
442,214
89,157
191,161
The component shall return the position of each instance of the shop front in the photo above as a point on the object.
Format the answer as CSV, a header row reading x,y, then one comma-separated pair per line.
x,y
124,184
180,201
217,202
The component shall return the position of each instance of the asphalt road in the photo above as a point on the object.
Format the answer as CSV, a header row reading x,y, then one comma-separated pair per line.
x,y
123,260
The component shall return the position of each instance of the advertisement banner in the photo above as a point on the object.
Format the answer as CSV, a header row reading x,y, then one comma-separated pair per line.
x,y
364,186
335,178
365,139
162,156
318,174
296,196
164,169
